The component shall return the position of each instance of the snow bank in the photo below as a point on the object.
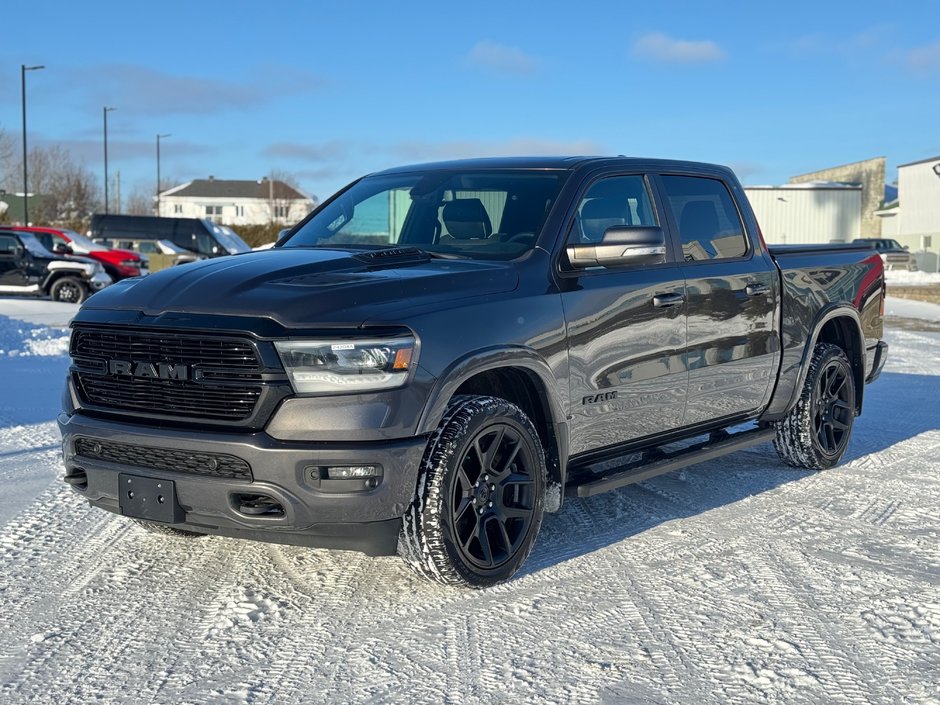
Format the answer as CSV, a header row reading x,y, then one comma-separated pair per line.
x,y
901,277
18,339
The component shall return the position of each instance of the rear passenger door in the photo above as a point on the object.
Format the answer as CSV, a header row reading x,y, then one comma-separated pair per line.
x,y
731,297
625,326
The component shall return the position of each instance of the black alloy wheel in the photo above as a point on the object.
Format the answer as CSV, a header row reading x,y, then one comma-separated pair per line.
x,y
493,496
815,432
480,495
832,404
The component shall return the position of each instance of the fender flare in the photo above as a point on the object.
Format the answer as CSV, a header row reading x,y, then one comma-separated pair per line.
x,y
825,315
495,358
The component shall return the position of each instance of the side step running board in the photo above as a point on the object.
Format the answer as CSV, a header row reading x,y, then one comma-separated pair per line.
x,y
699,453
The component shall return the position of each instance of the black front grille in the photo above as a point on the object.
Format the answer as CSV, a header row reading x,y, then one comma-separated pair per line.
x,y
163,347
210,464
223,379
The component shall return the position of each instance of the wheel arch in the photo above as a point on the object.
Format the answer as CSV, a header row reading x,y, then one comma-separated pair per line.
x,y
56,274
839,325
522,377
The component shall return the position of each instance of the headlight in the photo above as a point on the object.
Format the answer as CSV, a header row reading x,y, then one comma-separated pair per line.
x,y
346,366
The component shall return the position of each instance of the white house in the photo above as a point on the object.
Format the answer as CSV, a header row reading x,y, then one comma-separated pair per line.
x,y
237,202
914,220
813,212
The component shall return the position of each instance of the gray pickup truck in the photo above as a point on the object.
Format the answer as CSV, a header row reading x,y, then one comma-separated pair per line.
x,y
440,353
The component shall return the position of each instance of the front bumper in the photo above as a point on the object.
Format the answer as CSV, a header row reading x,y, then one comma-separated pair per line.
x,y
99,281
342,514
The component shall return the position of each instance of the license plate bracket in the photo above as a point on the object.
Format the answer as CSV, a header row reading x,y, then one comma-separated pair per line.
x,y
149,498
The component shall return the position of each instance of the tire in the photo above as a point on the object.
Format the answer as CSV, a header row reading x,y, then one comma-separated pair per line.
x,y
71,290
816,432
156,528
480,496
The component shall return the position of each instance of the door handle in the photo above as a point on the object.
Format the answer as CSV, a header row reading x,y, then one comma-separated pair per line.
x,y
667,300
756,289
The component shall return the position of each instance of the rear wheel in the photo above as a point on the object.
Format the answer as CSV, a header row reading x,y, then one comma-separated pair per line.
x,y
816,432
157,528
480,497
69,290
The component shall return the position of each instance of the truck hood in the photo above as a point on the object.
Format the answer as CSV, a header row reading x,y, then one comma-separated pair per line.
x,y
303,288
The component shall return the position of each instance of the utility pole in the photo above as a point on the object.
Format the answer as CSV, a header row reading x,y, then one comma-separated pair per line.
x,y
105,112
23,69
159,137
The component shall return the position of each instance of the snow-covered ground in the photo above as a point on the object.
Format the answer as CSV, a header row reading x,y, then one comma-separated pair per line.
x,y
902,277
736,581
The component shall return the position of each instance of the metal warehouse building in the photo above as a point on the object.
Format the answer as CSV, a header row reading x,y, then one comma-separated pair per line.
x,y
914,221
815,212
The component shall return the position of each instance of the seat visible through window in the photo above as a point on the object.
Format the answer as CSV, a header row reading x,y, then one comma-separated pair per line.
x,y
466,219
599,214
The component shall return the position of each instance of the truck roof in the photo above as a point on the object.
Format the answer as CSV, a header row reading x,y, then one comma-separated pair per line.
x,y
557,162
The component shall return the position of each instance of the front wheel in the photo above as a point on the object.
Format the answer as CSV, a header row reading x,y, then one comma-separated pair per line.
x,y
816,432
70,290
480,496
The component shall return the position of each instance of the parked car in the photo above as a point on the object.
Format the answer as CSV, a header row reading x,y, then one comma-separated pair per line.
x,y
148,248
436,356
119,264
893,254
196,235
26,267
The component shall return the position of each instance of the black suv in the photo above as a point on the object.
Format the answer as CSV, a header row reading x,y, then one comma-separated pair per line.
x,y
26,267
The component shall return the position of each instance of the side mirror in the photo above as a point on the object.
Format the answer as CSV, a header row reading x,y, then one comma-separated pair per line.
x,y
622,246
63,249
907,247
18,251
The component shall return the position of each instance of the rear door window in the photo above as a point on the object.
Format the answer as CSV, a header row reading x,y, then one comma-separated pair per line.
x,y
708,221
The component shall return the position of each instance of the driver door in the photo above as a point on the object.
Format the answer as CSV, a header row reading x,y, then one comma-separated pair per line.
x,y
626,326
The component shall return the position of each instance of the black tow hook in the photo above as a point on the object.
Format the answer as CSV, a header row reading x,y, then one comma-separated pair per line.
x,y
258,505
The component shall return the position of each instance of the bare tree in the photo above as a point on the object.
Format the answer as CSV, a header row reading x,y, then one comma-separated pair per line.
x,y
140,202
66,191
6,154
282,192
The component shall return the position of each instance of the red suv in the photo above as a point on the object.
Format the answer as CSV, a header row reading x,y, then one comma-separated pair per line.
x,y
120,264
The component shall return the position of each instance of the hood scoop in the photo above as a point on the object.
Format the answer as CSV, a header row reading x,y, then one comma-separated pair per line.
x,y
392,257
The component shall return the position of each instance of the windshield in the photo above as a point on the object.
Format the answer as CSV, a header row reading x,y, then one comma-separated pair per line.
x,y
478,214
229,239
82,244
33,245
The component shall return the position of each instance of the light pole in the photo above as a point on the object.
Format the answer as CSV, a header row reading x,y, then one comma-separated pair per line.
x,y
159,137
23,69
105,112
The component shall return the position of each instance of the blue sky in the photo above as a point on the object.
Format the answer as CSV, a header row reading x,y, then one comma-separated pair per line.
x,y
329,91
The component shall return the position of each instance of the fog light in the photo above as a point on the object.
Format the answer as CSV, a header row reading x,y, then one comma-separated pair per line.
x,y
350,472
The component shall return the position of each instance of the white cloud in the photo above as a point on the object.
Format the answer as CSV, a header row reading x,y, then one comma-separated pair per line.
x,y
925,59
660,47
501,58
869,41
